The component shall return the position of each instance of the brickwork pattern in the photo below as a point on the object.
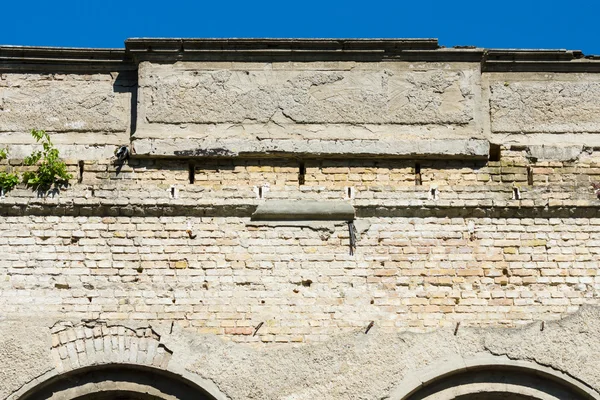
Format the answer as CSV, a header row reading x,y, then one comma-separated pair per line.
x,y
98,343
144,243
216,182
302,283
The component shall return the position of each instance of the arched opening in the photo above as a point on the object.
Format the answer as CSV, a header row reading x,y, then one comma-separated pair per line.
x,y
499,382
117,382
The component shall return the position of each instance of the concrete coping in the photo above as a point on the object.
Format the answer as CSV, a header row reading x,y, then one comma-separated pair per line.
x,y
290,210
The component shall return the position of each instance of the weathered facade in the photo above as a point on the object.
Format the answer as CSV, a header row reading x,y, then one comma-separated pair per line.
x,y
302,219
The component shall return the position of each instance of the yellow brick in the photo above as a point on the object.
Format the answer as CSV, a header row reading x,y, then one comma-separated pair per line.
x,y
180,264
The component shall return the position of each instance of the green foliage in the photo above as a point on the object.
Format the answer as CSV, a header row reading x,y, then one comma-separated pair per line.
x,y
51,170
8,180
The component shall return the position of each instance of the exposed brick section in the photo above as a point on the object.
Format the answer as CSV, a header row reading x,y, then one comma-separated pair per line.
x,y
229,187
98,343
118,246
407,273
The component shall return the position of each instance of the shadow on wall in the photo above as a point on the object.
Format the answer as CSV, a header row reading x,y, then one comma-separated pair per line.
x,y
126,82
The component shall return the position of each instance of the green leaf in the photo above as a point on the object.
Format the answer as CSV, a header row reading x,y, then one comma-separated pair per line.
x,y
51,171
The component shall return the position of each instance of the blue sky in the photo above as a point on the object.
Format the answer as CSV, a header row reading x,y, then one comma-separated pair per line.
x,y
553,24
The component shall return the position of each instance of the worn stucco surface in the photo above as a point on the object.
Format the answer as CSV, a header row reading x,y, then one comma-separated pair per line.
x,y
63,103
379,93
545,103
87,114
349,366
570,345
359,366
24,352
228,109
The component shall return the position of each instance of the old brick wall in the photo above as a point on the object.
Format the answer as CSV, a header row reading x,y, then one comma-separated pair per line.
x,y
146,244
473,197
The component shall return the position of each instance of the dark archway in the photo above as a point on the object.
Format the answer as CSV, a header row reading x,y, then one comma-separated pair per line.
x,y
498,382
117,382
118,395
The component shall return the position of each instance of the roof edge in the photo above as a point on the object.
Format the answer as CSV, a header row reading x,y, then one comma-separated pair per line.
x,y
30,58
169,50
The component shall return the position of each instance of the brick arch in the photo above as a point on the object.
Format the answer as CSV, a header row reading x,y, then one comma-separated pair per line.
x,y
96,360
492,378
96,342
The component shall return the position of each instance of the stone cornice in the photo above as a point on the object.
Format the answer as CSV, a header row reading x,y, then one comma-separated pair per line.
x,y
24,58
19,58
524,60
363,50
279,45
143,49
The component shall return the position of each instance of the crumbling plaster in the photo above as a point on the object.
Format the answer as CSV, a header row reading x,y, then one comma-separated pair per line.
x,y
348,366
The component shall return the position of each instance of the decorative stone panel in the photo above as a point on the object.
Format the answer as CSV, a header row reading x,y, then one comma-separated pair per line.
x,y
544,103
62,103
195,109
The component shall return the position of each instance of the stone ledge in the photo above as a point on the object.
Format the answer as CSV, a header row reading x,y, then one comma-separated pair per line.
x,y
304,210
189,148
168,45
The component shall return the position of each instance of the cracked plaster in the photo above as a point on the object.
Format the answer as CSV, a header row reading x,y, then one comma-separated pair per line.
x,y
348,366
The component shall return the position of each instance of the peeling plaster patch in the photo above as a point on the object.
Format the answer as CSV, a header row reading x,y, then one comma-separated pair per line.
x,y
333,369
336,368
